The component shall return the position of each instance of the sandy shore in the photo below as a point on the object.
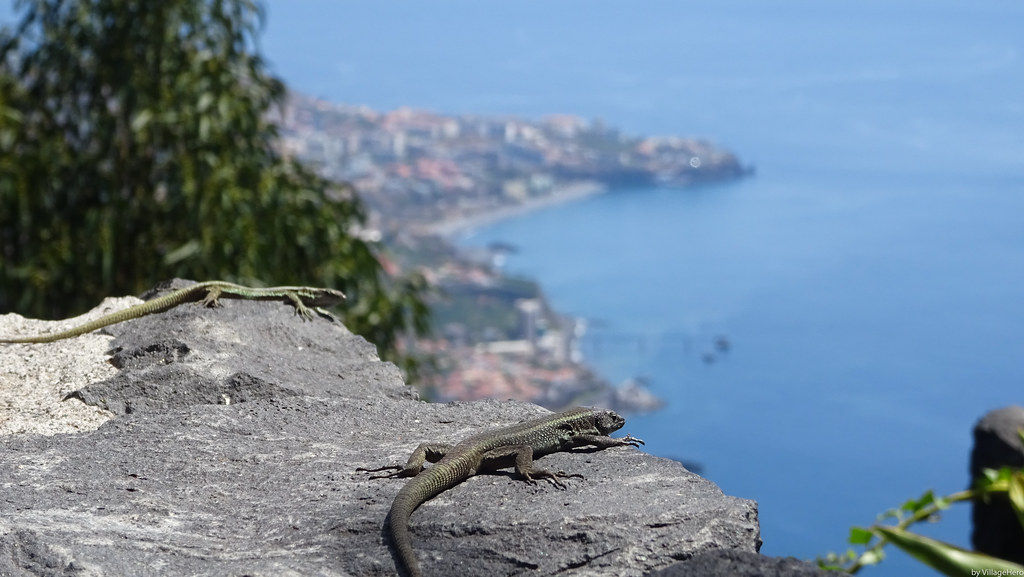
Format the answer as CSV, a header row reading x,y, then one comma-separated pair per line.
x,y
561,195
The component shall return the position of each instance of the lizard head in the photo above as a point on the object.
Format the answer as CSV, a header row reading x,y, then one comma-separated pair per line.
x,y
326,298
607,421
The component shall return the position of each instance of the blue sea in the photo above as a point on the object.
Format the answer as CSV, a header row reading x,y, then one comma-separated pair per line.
x,y
868,278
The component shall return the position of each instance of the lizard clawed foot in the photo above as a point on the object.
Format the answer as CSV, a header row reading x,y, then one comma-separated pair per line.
x,y
553,478
327,315
398,471
631,441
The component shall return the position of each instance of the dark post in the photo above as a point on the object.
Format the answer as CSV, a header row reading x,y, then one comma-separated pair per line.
x,y
997,444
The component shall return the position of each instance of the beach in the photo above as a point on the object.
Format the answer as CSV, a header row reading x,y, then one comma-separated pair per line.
x,y
561,195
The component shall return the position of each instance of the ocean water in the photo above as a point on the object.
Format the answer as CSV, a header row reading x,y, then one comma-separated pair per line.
x,y
868,278
869,327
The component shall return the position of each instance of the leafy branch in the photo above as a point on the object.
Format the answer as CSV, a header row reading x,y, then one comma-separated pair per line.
x,y
944,557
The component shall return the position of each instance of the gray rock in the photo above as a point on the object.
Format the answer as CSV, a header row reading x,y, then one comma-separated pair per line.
x,y
996,530
742,564
235,449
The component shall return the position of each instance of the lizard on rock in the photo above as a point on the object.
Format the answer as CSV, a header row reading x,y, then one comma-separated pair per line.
x,y
515,445
302,298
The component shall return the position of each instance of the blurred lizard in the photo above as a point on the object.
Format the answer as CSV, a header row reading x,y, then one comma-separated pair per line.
x,y
306,301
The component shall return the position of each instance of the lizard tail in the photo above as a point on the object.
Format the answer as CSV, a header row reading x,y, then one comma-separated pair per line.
x,y
398,528
422,487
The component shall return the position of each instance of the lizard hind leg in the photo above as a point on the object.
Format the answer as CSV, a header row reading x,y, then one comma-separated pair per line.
x,y
431,452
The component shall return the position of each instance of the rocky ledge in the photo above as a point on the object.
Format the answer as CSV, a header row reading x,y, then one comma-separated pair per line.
x,y
230,447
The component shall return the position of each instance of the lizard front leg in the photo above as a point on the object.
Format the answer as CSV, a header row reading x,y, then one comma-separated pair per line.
x,y
300,307
603,442
212,295
430,452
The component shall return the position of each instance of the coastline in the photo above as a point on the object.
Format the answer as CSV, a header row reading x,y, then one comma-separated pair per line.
x,y
451,227
631,397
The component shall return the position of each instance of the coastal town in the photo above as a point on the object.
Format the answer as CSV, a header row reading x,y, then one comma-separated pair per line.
x,y
425,176
417,168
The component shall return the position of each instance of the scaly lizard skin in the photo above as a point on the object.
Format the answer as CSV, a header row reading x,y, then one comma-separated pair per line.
x,y
302,298
494,449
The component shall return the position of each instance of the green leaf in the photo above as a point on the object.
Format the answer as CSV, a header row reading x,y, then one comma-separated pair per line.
x,y
1016,494
945,558
915,505
992,481
860,536
991,475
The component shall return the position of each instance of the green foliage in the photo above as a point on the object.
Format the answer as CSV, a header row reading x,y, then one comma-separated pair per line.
x,y
136,145
947,559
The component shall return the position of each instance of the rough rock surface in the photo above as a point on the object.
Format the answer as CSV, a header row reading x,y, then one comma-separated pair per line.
x,y
742,564
34,379
234,450
996,529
